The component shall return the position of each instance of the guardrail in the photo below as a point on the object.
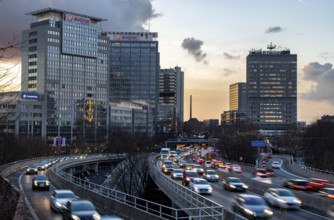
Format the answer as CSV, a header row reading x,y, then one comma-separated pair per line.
x,y
194,204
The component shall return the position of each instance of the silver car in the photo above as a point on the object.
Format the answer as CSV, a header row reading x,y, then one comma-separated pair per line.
x,y
201,186
60,197
211,175
282,198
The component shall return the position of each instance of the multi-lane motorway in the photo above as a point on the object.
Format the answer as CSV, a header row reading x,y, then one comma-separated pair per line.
x,y
225,198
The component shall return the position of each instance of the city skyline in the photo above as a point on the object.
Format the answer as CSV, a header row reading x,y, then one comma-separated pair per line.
x,y
210,42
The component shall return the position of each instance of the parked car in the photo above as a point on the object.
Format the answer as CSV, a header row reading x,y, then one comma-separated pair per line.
x,y
80,209
188,176
234,184
251,206
32,169
40,182
60,197
201,186
282,198
211,175
276,164
299,184
176,174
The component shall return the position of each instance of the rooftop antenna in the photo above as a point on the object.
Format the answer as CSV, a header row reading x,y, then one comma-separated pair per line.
x,y
271,46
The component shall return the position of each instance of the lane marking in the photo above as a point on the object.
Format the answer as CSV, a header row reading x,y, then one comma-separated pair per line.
x,y
32,211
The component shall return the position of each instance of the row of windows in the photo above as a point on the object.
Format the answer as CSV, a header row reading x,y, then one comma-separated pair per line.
x,y
117,44
56,33
53,40
84,29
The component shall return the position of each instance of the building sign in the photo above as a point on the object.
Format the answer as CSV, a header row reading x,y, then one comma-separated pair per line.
x,y
76,18
126,37
259,144
30,96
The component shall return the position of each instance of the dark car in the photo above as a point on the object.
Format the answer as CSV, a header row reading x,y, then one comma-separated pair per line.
x,y
80,209
188,176
296,184
32,169
40,182
167,169
234,184
251,207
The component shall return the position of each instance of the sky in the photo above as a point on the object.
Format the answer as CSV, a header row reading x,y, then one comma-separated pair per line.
x,y
210,41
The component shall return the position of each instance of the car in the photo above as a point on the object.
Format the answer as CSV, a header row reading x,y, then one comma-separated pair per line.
x,y
80,209
211,175
214,164
251,206
228,166
182,163
327,192
189,166
316,184
282,198
234,167
268,172
276,164
234,184
188,176
59,198
165,163
41,166
32,169
299,184
40,182
207,163
167,169
176,174
201,186
263,178
198,168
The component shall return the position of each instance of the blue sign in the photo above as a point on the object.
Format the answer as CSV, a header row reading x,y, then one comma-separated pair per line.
x,y
30,96
259,144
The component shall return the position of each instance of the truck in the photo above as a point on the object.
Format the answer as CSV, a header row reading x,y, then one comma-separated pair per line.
x,y
165,153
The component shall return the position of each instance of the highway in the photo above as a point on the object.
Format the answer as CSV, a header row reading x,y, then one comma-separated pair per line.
x,y
225,198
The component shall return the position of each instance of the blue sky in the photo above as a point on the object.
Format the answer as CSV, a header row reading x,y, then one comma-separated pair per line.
x,y
210,40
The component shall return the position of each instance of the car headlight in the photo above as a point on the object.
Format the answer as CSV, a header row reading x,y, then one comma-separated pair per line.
x,y
232,186
268,212
74,217
188,179
216,176
297,201
245,186
35,183
281,200
47,183
96,216
196,189
248,211
58,204
210,189
35,169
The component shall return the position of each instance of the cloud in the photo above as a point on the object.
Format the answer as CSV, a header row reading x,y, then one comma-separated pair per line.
x,y
230,57
274,30
193,47
228,71
323,77
121,15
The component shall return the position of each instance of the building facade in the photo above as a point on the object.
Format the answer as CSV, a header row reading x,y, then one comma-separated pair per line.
x,y
238,96
65,59
171,100
272,88
134,68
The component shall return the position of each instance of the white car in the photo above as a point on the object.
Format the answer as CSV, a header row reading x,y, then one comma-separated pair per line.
x,y
262,178
201,186
282,198
198,168
176,174
276,164
211,175
60,197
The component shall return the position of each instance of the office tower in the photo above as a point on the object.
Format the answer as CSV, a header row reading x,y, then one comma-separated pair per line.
x,y
238,96
272,88
134,67
65,59
171,99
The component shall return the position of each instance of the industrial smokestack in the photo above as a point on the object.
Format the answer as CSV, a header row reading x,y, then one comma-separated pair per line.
x,y
191,106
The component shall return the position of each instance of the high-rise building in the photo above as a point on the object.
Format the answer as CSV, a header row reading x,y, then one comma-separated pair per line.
x,y
134,67
238,96
272,88
171,99
65,59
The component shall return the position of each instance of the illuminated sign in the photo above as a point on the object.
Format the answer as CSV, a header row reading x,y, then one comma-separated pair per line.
x,y
78,19
125,37
30,96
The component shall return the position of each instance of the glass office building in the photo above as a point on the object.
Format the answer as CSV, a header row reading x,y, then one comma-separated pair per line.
x,y
272,89
134,68
65,59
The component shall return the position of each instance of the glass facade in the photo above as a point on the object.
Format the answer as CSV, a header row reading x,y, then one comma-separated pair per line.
x,y
272,89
